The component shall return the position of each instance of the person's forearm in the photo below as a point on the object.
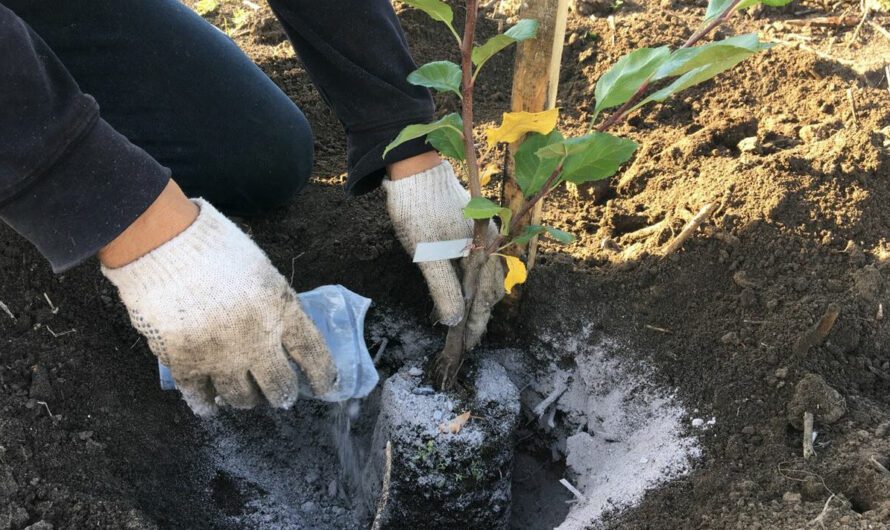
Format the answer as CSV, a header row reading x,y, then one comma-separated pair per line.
x,y
413,165
167,217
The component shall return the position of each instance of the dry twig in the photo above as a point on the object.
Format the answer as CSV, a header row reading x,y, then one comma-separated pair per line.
x,y
379,355
879,28
879,466
826,56
52,306
817,334
568,485
46,407
647,231
820,519
5,309
61,334
824,21
808,450
690,228
542,407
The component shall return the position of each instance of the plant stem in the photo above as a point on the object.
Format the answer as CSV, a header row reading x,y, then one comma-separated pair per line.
x,y
466,65
450,359
719,19
527,206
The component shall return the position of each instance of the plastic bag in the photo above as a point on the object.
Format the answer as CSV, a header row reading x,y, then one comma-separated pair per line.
x,y
339,315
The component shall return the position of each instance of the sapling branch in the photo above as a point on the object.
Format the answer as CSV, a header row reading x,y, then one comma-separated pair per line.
x,y
613,119
693,39
707,28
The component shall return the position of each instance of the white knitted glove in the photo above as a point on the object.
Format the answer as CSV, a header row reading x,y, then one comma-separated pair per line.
x,y
427,207
215,310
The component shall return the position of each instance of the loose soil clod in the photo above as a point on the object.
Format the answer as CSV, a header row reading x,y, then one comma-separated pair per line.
x,y
813,396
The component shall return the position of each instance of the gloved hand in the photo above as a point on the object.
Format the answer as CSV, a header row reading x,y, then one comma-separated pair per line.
x,y
427,207
215,310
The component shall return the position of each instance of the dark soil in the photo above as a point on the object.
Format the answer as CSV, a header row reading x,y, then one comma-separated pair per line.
x,y
88,440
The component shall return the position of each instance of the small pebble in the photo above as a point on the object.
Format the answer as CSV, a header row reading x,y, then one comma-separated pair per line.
x,y
698,422
308,507
781,373
791,497
730,337
750,145
415,371
423,391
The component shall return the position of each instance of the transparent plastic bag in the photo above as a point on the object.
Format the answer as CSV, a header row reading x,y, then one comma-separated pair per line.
x,y
339,315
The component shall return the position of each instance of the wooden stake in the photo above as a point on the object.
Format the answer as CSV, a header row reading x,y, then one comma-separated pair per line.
x,y
535,81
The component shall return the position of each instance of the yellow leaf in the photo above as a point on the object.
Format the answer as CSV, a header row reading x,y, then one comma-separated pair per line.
x,y
454,426
489,171
516,273
517,124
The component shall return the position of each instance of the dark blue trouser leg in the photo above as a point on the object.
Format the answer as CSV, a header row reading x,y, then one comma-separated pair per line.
x,y
180,89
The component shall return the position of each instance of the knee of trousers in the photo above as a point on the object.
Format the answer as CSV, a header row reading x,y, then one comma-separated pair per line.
x,y
277,167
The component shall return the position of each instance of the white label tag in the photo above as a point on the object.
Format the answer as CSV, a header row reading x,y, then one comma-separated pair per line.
x,y
439,250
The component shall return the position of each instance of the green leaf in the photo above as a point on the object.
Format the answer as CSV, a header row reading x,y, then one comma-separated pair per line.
x,y
560,236
531,231
745,4
700,63
482,208
437,10
451,121
523,30
594,156
443,76
727,52
530,170
448,142
717,7
527,234
626,76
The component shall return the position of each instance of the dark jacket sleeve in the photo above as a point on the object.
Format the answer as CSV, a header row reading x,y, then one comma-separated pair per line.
x,y
358,58
68,182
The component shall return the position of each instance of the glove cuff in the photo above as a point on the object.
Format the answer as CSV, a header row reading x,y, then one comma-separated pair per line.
x,y
211,242
439,182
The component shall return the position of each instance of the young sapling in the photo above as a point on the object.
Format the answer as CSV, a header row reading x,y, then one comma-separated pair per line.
x,y
545,158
